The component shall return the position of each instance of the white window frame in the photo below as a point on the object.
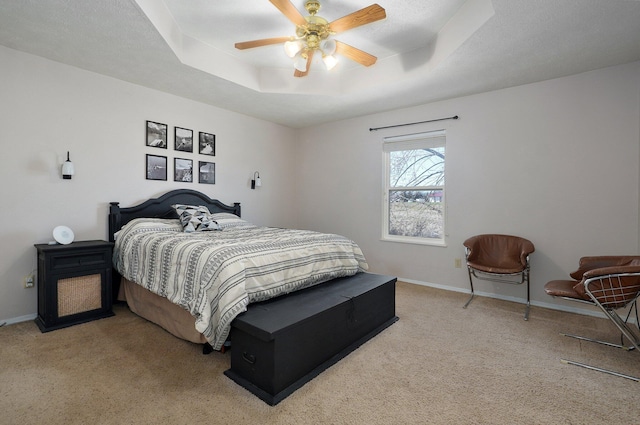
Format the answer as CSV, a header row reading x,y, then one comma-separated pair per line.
x,y
430,139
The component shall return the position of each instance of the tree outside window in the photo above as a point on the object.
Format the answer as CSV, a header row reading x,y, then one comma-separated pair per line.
x,y
415,188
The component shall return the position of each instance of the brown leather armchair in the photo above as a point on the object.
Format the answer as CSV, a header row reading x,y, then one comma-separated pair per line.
x,y
499,258
610,283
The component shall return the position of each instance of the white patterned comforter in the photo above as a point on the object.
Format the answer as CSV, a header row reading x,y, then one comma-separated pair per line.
x,y
216,274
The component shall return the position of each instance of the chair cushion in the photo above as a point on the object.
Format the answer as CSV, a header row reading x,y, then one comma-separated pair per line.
x,y
565,289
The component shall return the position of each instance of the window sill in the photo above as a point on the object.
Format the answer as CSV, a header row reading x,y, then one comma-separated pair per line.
x,y
415,241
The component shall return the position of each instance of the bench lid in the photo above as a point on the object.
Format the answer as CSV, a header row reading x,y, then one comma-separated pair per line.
x,y
264,319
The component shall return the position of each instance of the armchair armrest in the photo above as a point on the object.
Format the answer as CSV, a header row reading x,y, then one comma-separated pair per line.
x,y
613,286
614,270
597,262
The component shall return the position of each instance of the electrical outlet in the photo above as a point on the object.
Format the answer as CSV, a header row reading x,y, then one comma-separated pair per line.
x,y
457,263
29,281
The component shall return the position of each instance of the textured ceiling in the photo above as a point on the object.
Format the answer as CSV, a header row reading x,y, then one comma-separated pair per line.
x,y
427,50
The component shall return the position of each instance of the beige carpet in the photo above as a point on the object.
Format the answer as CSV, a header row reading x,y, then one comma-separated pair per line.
x,y
440,364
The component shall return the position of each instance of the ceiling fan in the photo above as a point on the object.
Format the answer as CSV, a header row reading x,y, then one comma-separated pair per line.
x,y
312,35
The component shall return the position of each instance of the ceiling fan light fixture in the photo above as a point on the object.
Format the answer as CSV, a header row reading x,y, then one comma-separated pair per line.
x,y
292,47
328,46
329,61
300,63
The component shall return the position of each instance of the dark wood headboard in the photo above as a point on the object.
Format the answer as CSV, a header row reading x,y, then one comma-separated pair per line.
x,y
161,208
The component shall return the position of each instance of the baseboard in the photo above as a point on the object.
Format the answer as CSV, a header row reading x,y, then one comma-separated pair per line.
x,y
14,320
550,306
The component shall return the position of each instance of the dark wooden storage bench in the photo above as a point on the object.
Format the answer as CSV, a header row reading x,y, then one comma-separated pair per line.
x,y
279,345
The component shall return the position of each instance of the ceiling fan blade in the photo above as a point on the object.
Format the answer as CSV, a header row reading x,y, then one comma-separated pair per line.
x,y
362,17
354,54
290,11
259,43
304,73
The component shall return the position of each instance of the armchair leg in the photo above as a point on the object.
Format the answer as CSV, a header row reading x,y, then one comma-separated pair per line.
x,y
624,327
526,310
468,301
525,279
608,344
610,372
472,293
625,330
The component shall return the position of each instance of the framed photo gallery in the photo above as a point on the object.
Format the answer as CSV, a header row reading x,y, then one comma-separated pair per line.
x,y
157,166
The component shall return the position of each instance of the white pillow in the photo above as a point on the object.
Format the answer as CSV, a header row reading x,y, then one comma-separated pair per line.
x,y
229,221
151,224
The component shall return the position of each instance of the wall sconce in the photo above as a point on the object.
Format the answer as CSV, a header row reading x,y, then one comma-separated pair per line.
x,y
256,182
67,168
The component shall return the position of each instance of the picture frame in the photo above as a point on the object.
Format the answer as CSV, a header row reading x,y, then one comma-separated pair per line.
x,y
156,167
206,172
207,144
183,170
156,135
183,139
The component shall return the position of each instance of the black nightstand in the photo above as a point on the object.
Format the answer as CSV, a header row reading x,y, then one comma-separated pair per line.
x,y
74,283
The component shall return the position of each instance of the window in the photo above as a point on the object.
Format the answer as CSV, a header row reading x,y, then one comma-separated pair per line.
x,y
414,207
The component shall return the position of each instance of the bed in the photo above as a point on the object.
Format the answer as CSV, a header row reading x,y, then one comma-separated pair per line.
x,y
195,283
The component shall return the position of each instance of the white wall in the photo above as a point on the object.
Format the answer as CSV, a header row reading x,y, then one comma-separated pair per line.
x,y
556,162
48,108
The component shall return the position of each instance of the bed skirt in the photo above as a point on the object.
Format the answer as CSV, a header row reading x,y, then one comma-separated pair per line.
x,y
156,309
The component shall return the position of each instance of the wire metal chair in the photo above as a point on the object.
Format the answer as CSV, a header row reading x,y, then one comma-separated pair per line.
x,y
610,289
499,258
